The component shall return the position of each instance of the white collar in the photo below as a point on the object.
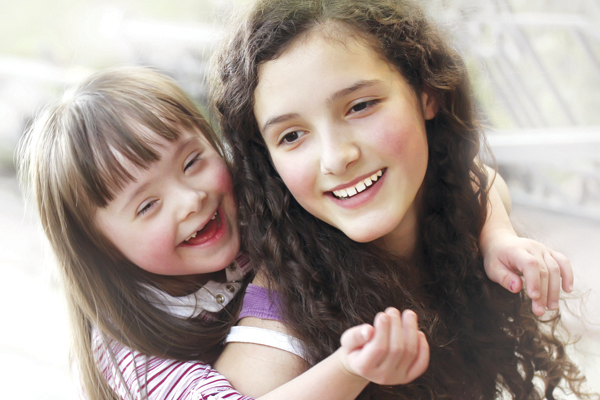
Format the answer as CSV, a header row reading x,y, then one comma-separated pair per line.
x,y
212,297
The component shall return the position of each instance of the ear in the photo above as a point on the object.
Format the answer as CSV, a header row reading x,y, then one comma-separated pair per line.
x,y
429,104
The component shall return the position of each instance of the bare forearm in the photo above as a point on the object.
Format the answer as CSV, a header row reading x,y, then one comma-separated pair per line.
x,y
270,373
498,206
326,380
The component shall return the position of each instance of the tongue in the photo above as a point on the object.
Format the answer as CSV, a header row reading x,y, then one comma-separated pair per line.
x,y
206,233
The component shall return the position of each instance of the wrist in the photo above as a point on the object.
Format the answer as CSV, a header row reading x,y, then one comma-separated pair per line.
x,y
492,235
341,361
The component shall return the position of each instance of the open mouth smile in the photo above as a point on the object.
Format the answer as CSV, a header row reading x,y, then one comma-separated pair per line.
x,y
361,186
207,232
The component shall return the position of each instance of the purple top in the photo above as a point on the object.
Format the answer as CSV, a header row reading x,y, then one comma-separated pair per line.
x,y
259,303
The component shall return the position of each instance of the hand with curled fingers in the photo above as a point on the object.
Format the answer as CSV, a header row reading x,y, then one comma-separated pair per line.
x,y
391,352
508,257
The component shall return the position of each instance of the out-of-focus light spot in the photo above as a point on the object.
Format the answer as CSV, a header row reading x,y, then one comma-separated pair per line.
x,y
111,23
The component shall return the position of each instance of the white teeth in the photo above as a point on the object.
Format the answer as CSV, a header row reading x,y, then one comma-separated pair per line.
x,y
191,237
195,233
359,187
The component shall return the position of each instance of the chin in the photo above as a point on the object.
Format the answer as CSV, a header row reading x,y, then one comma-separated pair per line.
x,y
226,259
364,237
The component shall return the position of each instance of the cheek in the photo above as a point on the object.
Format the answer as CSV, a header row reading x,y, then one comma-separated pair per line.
x,y
404,142
222,180
154,250
297,176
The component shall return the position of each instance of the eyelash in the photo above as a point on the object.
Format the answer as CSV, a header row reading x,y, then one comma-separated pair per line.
x,y
192,162
283,140
367,104
146,208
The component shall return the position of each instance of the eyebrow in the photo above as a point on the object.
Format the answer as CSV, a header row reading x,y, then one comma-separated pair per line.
x,y
351,89
145,186
337,95
278,119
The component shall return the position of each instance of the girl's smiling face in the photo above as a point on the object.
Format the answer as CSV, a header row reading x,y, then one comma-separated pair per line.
x,y
178,217
346,133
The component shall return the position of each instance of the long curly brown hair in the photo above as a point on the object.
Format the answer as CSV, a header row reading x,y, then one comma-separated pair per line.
x,y
484,340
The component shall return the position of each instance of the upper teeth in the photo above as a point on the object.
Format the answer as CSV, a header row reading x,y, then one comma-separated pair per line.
x,y
359,187
193,235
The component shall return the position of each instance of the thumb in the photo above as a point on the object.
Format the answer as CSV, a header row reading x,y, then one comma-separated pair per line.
x,y
356,337
501,274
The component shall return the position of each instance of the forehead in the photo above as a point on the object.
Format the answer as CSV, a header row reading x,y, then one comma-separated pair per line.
x,y
331,36
335,47
315,64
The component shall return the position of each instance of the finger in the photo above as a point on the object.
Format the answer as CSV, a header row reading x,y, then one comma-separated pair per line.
x,y
535,273
540,303
419,366
356,337
374,351
501,274
566,271
528,265
395,341
410,337
553,282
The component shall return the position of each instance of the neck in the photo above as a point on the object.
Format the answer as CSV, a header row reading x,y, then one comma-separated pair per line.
x,y
183,285
402,241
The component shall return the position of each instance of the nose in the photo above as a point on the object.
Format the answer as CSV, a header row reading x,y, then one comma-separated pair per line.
x,y
189,201
339,151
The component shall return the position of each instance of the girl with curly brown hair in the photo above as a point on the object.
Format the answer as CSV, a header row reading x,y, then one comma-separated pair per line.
x,y
355,152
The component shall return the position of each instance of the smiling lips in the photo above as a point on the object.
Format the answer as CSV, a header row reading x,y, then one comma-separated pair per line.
x,y
359,187
206,233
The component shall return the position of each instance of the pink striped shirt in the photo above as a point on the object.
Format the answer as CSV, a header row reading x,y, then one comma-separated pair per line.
x,y
135,375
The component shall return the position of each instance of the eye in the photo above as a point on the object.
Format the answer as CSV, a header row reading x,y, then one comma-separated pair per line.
x,y
191,161
145,207
363,105
291,137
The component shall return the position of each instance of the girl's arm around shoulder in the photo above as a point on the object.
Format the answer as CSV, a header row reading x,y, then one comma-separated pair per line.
x,y
392,351
507,256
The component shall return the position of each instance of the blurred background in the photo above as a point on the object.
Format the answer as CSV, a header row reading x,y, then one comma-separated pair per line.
x,y
535,67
